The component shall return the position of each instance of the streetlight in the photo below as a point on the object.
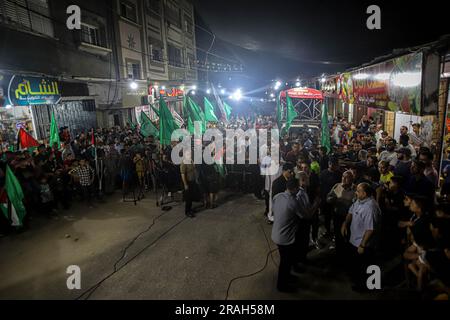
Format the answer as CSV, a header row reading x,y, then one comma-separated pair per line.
x,y
133,85
208,91
297,84
194,87
237,94
193,92
222,91
272,95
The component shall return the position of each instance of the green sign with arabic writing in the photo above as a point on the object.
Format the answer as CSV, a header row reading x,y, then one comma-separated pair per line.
x,y
24,91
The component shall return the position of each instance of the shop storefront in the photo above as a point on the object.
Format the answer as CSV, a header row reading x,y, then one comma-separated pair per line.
x,y
397,92
29,101
172,95
134,97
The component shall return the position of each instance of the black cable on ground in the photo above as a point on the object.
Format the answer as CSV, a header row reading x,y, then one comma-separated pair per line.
x,y
135,238
250,275
92,289
268,245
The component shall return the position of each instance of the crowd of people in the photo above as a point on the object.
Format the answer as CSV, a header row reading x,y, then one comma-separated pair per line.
x,y
376,200
374,197
98,162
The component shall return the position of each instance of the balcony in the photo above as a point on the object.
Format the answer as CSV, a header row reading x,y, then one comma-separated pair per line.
x,y
92,40
94,49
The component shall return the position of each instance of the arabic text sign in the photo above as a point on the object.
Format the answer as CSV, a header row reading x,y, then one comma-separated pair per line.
x,y
24,91
394,85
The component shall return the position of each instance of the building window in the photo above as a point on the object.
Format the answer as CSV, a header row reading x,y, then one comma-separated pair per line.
x,y
172,14
33,15
154,5
157,54
90,34
174,56
128,11
191,61
188,25
133,70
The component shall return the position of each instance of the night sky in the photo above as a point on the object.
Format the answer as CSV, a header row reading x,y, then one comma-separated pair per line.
x,y
285,39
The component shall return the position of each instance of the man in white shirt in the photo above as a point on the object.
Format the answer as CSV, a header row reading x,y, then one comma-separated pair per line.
x,y
390,155
364,222
307,212
286,214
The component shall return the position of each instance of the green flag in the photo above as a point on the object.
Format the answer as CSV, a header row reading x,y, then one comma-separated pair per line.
x,y
14,194
54,135
209,111
131,124
291,114
167,124
325,138
187,115
227,109
155,110
220,169
147,127
185,107
197,114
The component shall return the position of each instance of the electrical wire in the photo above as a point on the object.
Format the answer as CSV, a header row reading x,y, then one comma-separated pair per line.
x,y
268,245
251,274
271,251
93,288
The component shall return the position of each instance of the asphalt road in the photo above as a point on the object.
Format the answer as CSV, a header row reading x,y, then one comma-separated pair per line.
x,y
173,258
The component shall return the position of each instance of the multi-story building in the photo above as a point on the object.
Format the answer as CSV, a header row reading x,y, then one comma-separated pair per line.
x,y
157,56
46,68
125,55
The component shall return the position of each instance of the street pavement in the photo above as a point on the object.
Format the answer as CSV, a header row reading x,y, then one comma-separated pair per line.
x,y
173,258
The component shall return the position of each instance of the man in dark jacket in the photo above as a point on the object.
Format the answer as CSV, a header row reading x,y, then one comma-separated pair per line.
x,y
279,185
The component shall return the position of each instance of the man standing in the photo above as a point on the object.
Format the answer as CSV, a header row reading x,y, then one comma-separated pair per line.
x,y
293,155
328,178
307,212
279,185
389,155
418,183
403,134
188,176
430,172
364,219
403,167
341,198
416,138
86,175
286,219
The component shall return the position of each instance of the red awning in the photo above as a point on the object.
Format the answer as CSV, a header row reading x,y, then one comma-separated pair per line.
x,y
302,93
